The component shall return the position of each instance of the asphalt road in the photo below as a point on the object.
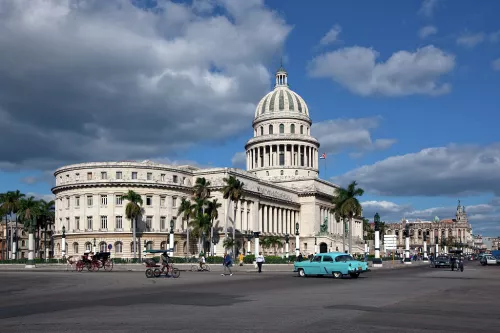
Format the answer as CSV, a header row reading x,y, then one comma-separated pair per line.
x,y
414,299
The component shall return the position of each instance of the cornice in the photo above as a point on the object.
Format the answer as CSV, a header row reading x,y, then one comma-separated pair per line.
x,y
281,115
273,138
72,186
126,165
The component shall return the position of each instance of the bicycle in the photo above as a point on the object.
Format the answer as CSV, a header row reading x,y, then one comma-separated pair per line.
x,y
204,268
157,272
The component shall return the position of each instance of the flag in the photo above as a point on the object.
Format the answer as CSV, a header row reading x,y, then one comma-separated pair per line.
x,y
323,156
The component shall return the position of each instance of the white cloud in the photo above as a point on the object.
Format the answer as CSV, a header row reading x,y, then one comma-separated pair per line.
x,y
404,73
38,196
442,171
349,134
428,7
239,160
495,64
427,31
494,36
109,81
332,35
470,40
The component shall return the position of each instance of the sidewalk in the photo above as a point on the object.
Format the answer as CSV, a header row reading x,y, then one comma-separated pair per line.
x,y
187,267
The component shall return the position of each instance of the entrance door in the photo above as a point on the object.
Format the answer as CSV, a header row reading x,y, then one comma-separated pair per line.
x,y
323,248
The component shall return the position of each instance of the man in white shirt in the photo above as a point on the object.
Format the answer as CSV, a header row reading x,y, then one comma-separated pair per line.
x,y
260,260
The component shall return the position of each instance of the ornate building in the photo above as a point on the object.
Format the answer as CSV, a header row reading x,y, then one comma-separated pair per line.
x,y
281,190
449,232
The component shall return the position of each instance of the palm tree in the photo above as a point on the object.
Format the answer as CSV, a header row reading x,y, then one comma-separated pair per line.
x,y
273,241
201,190
350,205
132,212
3,212
367,229
339,215
11,202
29,210
201,225
228,243
47,218
232,191
186,208
213,211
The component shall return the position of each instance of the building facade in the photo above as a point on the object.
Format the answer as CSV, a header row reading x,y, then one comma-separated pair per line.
x,y
281,190
6,249
447,232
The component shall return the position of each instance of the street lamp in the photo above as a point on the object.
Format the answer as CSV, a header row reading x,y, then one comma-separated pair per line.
x,y
426,258
256,243
63,242
315,245
171,238
407,244
94,249
297,239
249,238
377,261
287,240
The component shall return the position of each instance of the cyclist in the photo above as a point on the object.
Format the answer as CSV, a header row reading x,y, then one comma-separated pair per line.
x,y
165,260
202,261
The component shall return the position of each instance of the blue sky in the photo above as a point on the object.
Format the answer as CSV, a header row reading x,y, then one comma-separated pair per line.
x,y
419,76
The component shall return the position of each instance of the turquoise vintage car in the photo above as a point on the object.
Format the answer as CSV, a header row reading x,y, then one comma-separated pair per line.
x,y
336,264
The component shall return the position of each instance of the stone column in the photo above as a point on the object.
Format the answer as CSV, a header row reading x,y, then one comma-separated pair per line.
x,y
275,219
245,225
425,252
407,250
256,243
266,221
237,223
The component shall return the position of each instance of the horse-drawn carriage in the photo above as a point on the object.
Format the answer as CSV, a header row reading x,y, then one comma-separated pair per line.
x,y
95,262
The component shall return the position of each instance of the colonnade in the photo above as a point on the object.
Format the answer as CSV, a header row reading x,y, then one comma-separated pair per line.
x,y
277,219
293,155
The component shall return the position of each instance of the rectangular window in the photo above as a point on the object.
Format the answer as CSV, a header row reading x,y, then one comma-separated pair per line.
x,y
149,223
89,175
67,224
90,201
282,158
104,175
134,175
104,222
119,200
301,159
67,202
149,176
174,218
104,200
175,178
118,175
174,202
162,177
163,223
119,222
77,201
162,201
89,222
149,200
77,223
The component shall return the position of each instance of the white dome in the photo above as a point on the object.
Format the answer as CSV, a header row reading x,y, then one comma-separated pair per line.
x,y
281,100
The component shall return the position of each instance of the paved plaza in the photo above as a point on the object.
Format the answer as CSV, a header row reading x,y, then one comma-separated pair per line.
x,y
412,299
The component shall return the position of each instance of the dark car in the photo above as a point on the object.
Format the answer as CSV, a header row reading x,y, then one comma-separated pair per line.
x,y
442,261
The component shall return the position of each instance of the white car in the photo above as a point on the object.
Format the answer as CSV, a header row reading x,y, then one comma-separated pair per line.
x,y
489,260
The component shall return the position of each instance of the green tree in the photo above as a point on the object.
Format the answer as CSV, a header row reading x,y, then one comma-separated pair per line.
x,y
213,211
201,188
349,204
28,211
11,202
340,215
46,219
233,192
228,243
368,230
132,211
187,210
272,242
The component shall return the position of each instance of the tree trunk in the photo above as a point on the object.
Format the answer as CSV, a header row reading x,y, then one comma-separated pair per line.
x,y
134,240
227,217
234,232
212,239
17,242
343,235
187,235
350,234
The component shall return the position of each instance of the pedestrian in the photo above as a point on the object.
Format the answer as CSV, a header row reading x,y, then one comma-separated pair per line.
x,y
241,259
228,262
300,257
260,260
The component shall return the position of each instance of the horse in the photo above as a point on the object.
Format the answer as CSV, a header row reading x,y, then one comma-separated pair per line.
x,y
72,260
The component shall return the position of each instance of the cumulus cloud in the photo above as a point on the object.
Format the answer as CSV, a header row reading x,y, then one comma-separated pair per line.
x,y
349,134
404,73
332,35
495,64
428,7
442,171
239,160
38,196
104,80
427,31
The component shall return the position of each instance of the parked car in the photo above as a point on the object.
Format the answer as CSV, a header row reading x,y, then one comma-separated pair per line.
x,y
442,261
488,260
336,264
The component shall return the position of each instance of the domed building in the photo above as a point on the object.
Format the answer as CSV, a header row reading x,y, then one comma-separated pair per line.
x,y
283,194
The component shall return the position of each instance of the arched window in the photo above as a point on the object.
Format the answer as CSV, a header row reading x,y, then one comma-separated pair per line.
x,y
103,247
118,247
301,129
88,246
270,129
58,248
292,128
261,130
282,128
149,245
136,247
296,172
75,248
163,245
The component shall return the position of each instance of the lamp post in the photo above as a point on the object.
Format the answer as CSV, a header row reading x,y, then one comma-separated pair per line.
x,y
426,258
249,239
407,244
377,261
14,244
287,241
436,242
256,235
63,242
215,240
171,238
297,239
144,248
315,245
94,250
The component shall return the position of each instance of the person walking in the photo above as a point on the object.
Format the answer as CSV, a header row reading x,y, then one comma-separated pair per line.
x,y
260,260
228,262
241,259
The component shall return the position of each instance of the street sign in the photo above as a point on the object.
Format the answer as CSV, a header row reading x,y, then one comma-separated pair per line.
x,y
110,246
390,242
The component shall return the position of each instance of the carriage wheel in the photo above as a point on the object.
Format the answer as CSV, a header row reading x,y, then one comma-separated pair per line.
x,y
157,272
149,273
79,266
108,265
175,273
95,266
206,267
89,266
